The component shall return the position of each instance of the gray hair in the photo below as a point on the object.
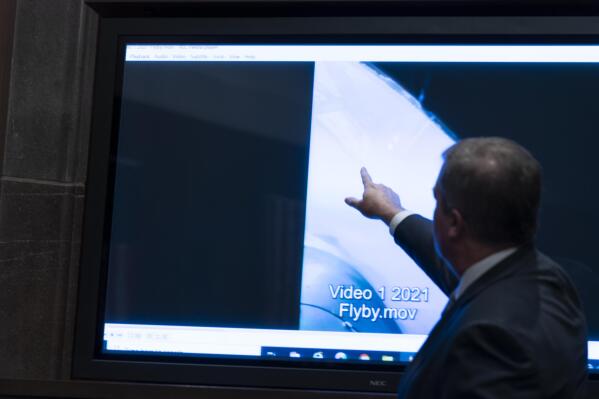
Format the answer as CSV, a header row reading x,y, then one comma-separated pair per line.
x,y
496,185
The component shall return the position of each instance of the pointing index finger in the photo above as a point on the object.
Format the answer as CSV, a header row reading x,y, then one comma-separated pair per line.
x,y
366,179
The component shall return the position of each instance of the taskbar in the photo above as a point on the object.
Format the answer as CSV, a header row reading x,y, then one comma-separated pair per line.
x,y
336,355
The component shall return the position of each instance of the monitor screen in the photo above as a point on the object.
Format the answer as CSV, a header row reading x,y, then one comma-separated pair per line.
x,y
229,239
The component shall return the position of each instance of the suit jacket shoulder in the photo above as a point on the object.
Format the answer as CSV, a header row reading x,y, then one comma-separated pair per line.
x,y
517,332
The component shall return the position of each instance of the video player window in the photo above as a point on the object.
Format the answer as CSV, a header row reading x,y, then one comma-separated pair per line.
x,y
229,235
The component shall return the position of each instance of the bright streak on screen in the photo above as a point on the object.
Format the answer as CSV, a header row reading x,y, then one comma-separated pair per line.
x,y
594,350
368,53
245,341
238,341
360,117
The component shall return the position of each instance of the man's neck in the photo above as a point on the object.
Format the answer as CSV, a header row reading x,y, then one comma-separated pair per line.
x,y
472,253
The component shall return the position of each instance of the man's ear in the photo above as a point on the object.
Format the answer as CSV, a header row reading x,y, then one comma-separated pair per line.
x,y
455,225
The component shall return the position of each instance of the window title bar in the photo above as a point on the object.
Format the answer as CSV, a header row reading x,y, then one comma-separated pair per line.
x,y
364,53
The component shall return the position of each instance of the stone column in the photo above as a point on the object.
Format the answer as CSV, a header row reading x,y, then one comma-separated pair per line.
x,y
42,184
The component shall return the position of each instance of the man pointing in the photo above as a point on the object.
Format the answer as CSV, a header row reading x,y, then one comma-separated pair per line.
x,y
513,326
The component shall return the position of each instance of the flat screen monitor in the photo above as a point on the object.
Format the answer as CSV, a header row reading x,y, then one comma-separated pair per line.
x,y
223,238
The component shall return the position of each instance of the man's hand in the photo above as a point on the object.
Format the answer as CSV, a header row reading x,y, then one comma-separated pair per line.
x,y
378,200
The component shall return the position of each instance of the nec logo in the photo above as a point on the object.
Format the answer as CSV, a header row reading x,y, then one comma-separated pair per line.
x,y
378,383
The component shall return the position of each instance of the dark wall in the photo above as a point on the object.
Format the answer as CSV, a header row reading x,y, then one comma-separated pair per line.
x,y
7,19
42,183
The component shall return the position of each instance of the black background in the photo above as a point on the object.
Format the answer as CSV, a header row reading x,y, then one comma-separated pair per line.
x,y
209,194
553,111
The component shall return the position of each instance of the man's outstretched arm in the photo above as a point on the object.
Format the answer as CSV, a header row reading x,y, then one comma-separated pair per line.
x,y
414,234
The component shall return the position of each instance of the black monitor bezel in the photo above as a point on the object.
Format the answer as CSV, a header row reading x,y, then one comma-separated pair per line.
x,y
114,33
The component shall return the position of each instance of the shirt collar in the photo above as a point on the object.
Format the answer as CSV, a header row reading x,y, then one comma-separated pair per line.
x,y
481,267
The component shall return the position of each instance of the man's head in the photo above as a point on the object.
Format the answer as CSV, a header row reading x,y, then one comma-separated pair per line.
x,y
488,194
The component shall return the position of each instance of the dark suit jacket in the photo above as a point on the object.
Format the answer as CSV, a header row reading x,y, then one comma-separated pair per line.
x,y
517,332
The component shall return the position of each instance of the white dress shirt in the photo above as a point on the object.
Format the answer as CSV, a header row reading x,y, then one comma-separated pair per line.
x,y
481,267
